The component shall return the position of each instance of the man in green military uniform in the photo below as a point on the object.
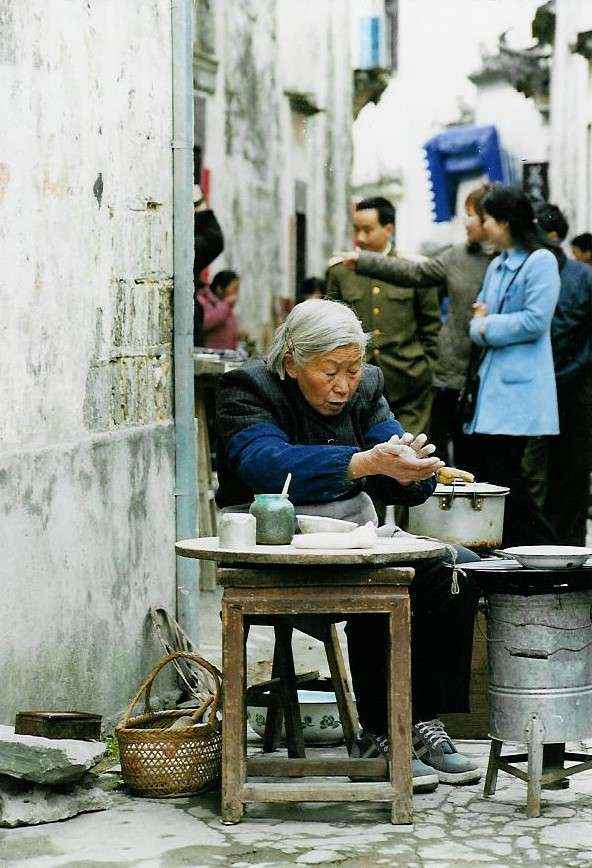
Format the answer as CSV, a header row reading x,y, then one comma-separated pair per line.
x,y
404,322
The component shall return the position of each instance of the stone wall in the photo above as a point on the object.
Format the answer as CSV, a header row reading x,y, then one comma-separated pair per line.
x,y
86,434
278,117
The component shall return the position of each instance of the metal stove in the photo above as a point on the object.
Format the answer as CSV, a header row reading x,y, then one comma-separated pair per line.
x,y
539,642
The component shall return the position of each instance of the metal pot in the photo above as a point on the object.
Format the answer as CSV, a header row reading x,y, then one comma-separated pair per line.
x,y
469,514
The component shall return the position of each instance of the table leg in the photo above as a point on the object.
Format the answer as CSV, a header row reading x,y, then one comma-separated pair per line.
x,y
234,748
399,709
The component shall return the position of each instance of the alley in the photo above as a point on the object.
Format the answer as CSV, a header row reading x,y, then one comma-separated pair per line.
x,y
453,827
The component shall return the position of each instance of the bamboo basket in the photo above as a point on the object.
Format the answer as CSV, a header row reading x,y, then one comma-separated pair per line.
x,y
162,763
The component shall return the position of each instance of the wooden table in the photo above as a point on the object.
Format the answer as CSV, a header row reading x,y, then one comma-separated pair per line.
x,y
281,581
207,366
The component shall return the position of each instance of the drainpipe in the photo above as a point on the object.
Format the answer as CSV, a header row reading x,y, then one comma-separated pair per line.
x,y
183,245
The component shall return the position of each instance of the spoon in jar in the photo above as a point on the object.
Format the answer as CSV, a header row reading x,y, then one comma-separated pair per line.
x,y
286,485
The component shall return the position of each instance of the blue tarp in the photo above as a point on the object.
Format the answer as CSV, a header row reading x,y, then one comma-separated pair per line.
x,y
460,153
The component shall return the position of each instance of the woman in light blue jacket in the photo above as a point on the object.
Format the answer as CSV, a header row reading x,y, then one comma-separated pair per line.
x,y
511,322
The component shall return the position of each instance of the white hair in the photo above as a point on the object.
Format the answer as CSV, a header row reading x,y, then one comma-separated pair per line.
x,y
314,327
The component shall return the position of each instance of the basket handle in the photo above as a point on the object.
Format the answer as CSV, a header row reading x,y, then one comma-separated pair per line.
x,y
146,686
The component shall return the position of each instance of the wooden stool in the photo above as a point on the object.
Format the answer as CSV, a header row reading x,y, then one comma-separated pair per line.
x,y
334,591
282,704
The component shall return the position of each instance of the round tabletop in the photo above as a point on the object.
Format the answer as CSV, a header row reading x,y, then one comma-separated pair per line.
x,y
385,553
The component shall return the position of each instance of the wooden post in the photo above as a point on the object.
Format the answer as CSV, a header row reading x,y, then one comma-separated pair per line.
x,y
205,487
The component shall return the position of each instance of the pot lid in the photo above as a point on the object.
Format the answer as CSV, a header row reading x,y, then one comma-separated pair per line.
x,y
460,489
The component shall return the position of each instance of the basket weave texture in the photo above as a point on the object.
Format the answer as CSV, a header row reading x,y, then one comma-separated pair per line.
x,y
159,762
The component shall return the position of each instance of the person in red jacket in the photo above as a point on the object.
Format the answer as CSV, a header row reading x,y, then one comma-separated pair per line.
x,y
220,323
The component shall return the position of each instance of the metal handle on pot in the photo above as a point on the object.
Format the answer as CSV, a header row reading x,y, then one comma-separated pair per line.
x,y
446,499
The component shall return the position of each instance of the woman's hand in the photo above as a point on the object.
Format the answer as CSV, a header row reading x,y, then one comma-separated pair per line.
x,y
419,444
395,459
480,309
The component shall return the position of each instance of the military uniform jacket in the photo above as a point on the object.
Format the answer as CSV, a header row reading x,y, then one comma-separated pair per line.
x,y
460,269
403,322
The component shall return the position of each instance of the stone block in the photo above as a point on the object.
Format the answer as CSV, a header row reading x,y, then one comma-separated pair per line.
x,y
26,804
46,760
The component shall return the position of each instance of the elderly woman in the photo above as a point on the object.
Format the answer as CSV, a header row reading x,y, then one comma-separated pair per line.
x,y
312,408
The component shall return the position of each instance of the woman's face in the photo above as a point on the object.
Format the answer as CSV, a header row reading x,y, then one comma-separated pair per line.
x,y
497,232
328,381
473,226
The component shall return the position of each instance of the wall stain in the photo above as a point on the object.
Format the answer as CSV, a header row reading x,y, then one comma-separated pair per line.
x,y
4,175
98,188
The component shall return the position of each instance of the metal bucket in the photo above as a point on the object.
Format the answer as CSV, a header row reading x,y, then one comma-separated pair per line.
x,y
471,515
530,672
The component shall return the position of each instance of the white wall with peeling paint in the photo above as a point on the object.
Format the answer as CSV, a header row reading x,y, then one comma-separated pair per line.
x,y
258,147
571,117
86,437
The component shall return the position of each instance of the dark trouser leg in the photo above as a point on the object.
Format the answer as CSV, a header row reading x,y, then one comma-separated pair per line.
x,y
498,459
441,646
535,467
443,428
570,463
414,412
442,625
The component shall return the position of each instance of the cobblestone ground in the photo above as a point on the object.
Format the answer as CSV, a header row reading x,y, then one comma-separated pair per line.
x,y
453,827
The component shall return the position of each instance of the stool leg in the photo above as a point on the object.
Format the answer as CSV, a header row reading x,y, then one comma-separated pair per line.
x,y
234,748
399,712
492,767
288,691
535,767
345,703
275,715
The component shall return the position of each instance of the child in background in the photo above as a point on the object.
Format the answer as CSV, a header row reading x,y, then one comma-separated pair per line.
x,y
220,323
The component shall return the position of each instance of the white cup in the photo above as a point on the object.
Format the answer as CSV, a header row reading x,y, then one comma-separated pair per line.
x,y
237,530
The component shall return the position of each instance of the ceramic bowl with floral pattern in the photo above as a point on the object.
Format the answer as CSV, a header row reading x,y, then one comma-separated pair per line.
x,y
319,715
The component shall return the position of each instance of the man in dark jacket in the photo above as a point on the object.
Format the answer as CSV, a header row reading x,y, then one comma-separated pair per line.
x,y
568,467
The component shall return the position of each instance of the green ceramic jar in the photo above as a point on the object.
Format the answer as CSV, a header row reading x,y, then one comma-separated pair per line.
x,y
275,519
